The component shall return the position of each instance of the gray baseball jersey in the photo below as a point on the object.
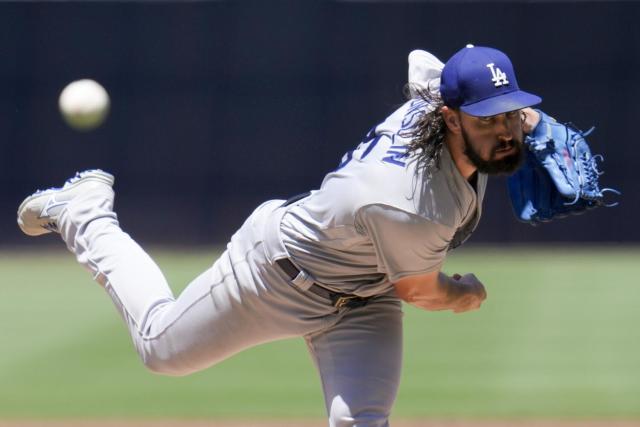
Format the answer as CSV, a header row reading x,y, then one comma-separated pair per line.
x,y
377,217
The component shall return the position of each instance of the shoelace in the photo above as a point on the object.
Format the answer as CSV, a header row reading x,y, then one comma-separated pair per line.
x,y
71,180
51,226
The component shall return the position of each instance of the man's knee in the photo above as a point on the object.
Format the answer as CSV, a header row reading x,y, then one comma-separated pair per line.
x,y
169,365
343,414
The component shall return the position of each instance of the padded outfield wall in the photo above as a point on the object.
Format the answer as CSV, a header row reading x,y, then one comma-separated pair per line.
x,y
218,106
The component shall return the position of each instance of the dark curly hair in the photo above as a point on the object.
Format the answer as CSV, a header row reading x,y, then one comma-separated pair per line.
x,y
428,133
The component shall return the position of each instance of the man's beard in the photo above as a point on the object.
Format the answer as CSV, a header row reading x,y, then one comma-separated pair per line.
x,y
507,165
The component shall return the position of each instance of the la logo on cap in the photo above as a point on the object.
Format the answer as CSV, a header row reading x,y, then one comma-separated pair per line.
x,y
466,84
499,77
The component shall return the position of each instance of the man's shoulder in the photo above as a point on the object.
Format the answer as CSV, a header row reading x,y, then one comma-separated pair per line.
x,y
404,117
433,196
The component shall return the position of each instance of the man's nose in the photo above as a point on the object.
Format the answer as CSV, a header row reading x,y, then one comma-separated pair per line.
x,y
503,130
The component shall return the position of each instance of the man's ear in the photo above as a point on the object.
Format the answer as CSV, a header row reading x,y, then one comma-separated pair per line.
x,y
451,119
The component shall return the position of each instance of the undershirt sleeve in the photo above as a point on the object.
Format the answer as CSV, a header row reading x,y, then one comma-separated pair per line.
x,y
405,244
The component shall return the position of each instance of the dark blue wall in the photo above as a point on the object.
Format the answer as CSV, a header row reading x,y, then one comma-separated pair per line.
x,y
219,106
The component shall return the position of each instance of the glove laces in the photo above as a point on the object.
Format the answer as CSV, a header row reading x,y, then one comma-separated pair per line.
x,y
589,171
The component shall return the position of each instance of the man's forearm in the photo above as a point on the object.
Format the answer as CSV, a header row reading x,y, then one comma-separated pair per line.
x,y
448,293
437,291
442,295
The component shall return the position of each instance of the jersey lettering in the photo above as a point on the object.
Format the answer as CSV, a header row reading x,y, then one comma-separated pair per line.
x,y
345,159
416,109
396,155
365,147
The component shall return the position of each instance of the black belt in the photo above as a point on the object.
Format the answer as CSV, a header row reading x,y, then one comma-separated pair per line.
x,y
338,300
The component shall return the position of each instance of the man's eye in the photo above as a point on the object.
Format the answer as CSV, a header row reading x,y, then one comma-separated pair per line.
x,y
486,119
512,114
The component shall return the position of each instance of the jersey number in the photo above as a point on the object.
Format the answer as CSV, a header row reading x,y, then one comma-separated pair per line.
x,y
362,150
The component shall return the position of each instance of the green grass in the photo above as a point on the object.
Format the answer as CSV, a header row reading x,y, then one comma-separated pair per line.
x,y
557,338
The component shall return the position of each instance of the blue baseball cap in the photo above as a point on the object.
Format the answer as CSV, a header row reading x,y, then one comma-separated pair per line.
x,y
481,82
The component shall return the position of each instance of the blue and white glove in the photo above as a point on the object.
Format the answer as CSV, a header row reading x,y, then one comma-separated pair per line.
x,y
560,175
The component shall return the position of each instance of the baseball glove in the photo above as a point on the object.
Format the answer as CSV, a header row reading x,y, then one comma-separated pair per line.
x,y
559,176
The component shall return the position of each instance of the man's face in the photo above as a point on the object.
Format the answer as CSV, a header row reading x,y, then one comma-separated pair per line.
x,y
493,144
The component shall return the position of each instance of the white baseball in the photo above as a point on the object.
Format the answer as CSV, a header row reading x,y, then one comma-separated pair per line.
x,y
84,104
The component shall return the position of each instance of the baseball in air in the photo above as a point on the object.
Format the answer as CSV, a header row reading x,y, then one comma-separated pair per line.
x,y
84,104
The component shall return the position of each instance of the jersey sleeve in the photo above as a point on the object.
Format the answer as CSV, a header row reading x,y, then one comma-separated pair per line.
x,y
405,244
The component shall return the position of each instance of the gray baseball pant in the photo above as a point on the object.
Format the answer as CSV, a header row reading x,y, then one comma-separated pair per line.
x,y
241,301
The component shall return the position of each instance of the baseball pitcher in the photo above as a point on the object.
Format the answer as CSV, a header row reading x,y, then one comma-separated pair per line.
x,y
334,265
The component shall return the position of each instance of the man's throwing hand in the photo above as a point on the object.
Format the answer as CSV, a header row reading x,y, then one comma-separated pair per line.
x,y
468,293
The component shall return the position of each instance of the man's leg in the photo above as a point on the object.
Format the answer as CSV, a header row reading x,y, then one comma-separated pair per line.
x,y
359,360
240,302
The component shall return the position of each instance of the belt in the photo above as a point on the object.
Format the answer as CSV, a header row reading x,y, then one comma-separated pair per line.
x,y
337,299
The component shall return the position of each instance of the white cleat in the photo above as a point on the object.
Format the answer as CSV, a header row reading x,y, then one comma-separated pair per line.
x,y
38,213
